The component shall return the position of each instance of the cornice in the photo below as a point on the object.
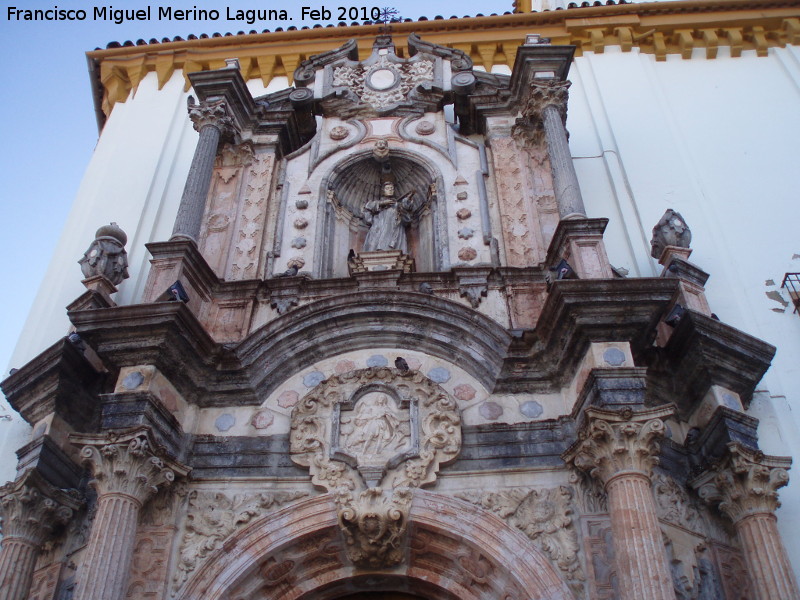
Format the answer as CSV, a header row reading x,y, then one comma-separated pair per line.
x,y
659,28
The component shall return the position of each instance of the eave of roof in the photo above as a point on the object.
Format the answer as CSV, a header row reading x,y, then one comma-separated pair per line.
x,y
655,27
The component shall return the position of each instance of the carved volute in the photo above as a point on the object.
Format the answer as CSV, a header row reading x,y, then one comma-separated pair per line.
x,y
371,436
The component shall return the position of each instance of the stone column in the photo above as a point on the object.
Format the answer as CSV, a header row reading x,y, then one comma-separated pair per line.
x,y
620,449
30,509
744,485
546,107
212,121
128,470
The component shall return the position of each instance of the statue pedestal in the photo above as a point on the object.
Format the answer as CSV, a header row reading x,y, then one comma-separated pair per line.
x,y
380,260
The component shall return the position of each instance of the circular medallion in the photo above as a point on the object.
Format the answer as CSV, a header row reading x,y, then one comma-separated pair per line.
x,y
382,79
339,133
425,128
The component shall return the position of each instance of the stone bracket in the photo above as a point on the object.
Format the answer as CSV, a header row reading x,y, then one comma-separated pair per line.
x,y
473,284
284,292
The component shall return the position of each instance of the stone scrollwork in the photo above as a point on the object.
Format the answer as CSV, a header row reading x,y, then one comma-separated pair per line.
x,y
744,483
384,83
370,437
31,508
214,114
546,517
213,516
615,442
128,463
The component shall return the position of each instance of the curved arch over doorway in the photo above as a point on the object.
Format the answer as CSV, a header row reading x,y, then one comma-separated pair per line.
x,y
455,551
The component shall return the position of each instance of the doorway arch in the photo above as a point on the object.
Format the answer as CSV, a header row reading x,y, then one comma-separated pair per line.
x,y
454,551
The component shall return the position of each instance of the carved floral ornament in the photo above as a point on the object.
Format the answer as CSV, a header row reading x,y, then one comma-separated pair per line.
x,y
385,83
547,518
128,463
31,508
542,93
744,483
214,114
614,442
370,437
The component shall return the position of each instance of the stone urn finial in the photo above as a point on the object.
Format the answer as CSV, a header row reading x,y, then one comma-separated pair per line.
x,y
671,230
106,255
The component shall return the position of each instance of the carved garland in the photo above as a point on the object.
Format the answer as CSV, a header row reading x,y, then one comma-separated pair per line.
x,y
370,437
213,516
546,517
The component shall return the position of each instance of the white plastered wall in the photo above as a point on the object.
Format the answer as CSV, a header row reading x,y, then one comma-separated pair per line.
x,y
713,139
716,140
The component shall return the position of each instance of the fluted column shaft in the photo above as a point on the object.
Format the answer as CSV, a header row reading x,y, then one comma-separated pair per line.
x,y
744,484
128,470
638,546
104,575
565,179
17,561
620,448
193,200
31,510
211,121
766,558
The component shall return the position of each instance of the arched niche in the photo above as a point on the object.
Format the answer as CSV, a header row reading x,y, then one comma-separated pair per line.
x,y
455,551
356,180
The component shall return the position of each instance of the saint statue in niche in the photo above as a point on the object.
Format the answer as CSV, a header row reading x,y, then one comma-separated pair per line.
x,y
376,430
388,218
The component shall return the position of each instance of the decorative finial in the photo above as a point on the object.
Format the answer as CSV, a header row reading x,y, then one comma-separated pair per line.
x,y
671,230
106,255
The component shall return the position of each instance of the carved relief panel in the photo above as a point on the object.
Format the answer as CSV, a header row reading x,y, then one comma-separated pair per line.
x,y
371,436
235,215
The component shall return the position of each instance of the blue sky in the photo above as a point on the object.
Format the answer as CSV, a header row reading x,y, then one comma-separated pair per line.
x,y
50,128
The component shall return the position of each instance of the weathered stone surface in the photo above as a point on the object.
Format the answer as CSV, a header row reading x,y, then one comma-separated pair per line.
x,y
106,256
60,380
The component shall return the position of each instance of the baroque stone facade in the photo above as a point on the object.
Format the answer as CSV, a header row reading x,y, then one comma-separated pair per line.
x,y
384,351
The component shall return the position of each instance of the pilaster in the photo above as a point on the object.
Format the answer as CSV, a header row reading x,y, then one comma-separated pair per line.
x,y
128,470
620,448
744,485
31,510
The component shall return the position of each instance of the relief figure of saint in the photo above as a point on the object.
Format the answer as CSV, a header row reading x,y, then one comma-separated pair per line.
x,y
388,218
377,428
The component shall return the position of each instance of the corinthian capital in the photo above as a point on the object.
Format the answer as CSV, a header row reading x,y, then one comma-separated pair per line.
x,y
214,114
614,442
128,463
744,483
543,93
30,508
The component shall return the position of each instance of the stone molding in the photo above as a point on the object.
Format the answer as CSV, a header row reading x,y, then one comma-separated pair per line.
x,y
127,463
653,29
613,443
214,114
744,483
371,436
543,93
31,508
547,518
